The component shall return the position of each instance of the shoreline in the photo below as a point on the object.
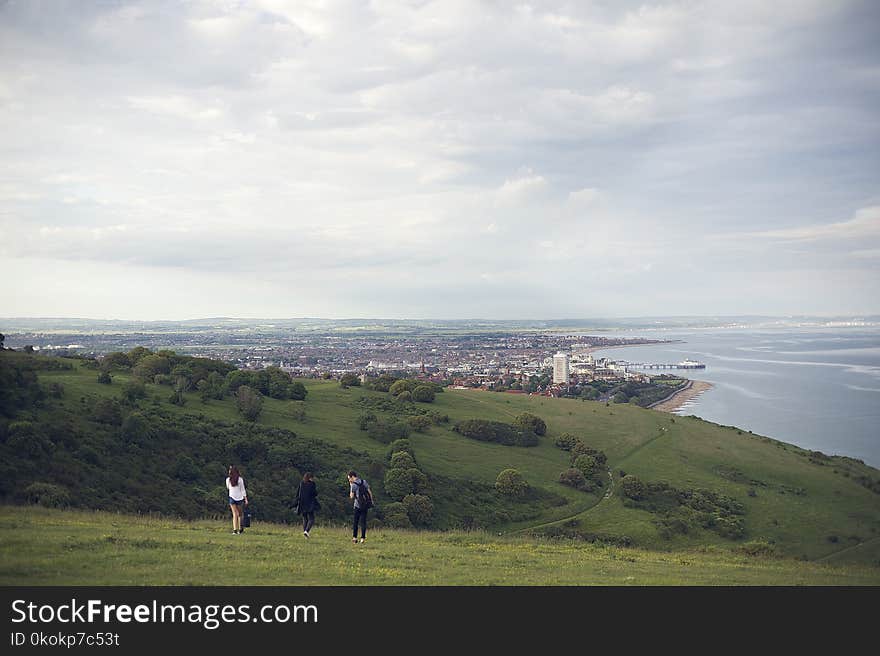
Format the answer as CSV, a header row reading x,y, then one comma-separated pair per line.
x,y
692,390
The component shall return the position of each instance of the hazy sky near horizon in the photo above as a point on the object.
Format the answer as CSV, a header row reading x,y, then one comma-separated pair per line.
x,y
169,160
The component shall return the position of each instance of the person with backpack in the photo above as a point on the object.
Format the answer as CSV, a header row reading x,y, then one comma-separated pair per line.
x,y
363,501
237,497
306,503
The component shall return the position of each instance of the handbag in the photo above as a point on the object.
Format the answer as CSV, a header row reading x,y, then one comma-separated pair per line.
x,y
246,518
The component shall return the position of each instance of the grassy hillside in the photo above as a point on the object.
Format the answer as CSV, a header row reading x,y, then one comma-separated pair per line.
x,y
52,547
801,504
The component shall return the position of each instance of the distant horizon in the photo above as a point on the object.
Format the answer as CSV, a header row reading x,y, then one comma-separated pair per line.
x,y
843,316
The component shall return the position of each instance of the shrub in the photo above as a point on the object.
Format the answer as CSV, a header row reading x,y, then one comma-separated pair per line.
x,y
400,386
402,460
423,394
47,494
586,465
419,423
566,441
387,433
249,402
632,487
419,509
400,482
56,390
511,483
495,431
105,378
400,445
757,548
573,478
107,411
438,418
349,380
405,396
581,449
135,428
134,390
366,419
529,422
395,515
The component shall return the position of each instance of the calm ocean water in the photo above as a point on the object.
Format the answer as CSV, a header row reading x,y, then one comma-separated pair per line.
x,y
817,388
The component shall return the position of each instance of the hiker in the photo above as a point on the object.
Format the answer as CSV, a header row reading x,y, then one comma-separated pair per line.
x,y
363,501
306,503
237,497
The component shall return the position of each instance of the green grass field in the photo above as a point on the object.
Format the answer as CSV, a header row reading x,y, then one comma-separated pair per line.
x,y
51,547
807,509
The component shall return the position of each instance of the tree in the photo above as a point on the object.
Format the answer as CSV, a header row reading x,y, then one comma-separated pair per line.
x,y
402,460
249,402
423,394
420,423
349,380
511,483
586,464
528,421
632,487
567,441
133,390
136,428
419,509
573,478
402,444
400,482
620,397
2,339
396,516
107,411
105,378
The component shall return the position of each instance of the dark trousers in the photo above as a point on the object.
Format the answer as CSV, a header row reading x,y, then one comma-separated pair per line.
x,y
359,516
308,521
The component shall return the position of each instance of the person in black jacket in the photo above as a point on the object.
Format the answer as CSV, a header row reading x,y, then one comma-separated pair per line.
x,y
307,502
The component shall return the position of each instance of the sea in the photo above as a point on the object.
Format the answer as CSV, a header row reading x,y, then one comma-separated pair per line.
x,y
818,388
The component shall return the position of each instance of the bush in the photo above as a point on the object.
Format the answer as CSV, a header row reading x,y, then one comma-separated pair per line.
x,y
387,433
438,418
136,428
366,419
529,422
581,449
573,478
511,483
402,460
404,396
400,482
105,378
495,431
47,494
349,380
107,411
395,515
134,390
249,402
586,465
423,394
400,445
632,487
419,423
566,441
419,509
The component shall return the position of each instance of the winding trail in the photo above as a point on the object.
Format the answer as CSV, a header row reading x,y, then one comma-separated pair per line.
x,y
608,493
845,549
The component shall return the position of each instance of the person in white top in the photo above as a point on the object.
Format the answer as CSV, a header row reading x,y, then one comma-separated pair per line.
x,y
237,497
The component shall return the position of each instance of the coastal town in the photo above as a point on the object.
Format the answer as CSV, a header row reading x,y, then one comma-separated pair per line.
x,y
516,362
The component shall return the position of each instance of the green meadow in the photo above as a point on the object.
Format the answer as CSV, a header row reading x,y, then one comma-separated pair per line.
x,y
53,547
806,517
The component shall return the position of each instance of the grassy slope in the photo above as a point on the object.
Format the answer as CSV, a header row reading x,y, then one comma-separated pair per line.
x,y
51,547
685,452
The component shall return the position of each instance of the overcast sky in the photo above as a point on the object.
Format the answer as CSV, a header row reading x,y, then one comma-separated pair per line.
x,y
439,159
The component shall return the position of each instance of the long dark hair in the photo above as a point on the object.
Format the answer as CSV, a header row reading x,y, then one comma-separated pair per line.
x,y
233,475
307,477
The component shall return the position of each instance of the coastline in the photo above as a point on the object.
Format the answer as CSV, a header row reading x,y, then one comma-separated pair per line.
x,y
691,391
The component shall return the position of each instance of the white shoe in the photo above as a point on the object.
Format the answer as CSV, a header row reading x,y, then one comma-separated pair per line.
x,y
306,533
362,540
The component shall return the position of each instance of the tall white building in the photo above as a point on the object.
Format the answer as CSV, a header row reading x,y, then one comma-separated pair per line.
x,y
560,368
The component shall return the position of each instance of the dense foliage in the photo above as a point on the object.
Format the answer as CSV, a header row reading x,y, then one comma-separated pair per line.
x,y
495,431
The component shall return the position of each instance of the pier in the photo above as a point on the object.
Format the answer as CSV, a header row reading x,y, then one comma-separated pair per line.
x,y
687,364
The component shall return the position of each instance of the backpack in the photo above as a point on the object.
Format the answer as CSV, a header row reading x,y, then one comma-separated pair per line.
x,y
364,496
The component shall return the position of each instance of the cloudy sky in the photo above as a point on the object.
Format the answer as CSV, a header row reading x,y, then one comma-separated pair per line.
x,y
439,159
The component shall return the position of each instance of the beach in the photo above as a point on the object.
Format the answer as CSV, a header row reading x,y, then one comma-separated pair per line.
x,y
691,391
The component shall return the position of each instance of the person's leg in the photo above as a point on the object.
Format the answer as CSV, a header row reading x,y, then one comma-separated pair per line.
x,y
311,522
354,525
305,522
364,524
234,510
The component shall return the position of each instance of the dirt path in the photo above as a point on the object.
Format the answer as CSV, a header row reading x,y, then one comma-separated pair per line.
x,y
845,549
